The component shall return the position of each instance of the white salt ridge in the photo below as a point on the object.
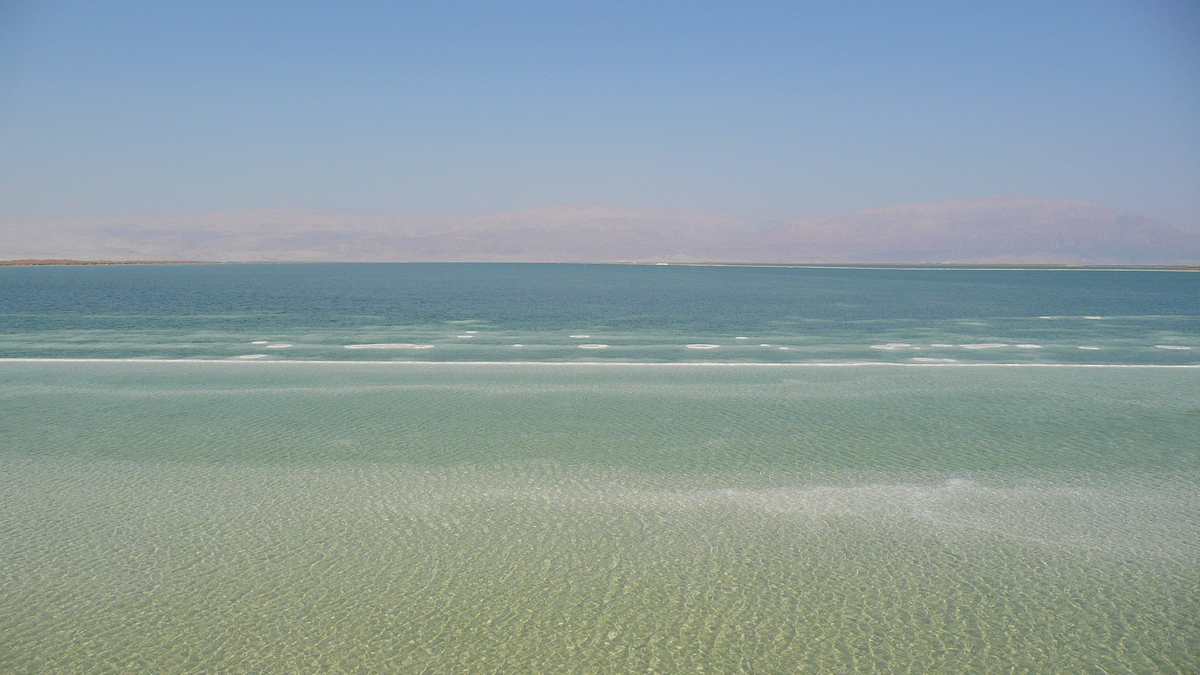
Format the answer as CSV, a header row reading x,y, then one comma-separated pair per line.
x,y
926,359
764,345
1172,347
581,337
259,342
279,346
984,345
593,346
1092,348
464,336
701,346
390,345
741,338
1028,346
1093,318
940,344
892,345
251,356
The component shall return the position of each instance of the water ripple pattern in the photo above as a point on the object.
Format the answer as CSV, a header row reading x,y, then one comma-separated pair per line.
x,y
280,517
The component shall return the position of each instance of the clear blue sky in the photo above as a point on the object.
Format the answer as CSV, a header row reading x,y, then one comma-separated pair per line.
x,y
109,108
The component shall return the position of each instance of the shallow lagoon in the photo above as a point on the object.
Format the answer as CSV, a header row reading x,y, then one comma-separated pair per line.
x,y
262,516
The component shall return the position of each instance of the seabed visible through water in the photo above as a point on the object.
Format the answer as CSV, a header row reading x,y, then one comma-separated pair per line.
x,y
260,517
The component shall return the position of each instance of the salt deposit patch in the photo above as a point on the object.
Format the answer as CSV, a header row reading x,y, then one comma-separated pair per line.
x,y
984,345
581,337
701,346
926,359
1093,318
892,345
259,342
1172,347
1090,348
279,346
464,336
251,356
593,346
741,338
1118,518
390,345
940,344
1114,517
1028,346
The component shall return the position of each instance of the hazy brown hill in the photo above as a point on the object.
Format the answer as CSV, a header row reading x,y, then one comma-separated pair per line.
x,y
996,229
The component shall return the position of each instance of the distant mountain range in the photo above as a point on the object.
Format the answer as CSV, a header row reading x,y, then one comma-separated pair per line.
x,y
997,230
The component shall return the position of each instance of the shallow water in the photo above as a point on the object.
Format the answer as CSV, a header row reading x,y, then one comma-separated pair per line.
x,y
641,507
275,517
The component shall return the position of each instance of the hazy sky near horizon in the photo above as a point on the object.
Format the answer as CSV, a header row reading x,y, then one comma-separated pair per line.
x,y
111,108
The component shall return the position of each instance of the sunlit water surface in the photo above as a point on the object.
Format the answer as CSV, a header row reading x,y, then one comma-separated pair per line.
x,y
850,505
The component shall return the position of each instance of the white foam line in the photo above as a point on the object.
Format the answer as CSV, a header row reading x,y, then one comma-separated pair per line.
x,y
702,364
390,345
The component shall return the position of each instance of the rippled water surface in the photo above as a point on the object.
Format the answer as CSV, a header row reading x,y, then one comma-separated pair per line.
x,y
841,507
519,312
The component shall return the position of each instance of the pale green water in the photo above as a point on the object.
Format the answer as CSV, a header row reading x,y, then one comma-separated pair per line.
x,y
279,517
354,468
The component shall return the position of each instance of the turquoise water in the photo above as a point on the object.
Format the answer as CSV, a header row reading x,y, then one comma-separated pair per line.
x,y
478,312
645,507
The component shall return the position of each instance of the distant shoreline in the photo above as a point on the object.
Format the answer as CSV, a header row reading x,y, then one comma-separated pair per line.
x,y
30,262
43,262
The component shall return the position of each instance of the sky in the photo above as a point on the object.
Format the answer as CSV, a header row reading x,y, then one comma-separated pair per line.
x,y
112,108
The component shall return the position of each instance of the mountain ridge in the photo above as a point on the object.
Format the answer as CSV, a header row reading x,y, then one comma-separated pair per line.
x,y
1007,230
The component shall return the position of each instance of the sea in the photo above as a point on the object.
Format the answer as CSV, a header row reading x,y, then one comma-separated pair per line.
x,y
543,468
